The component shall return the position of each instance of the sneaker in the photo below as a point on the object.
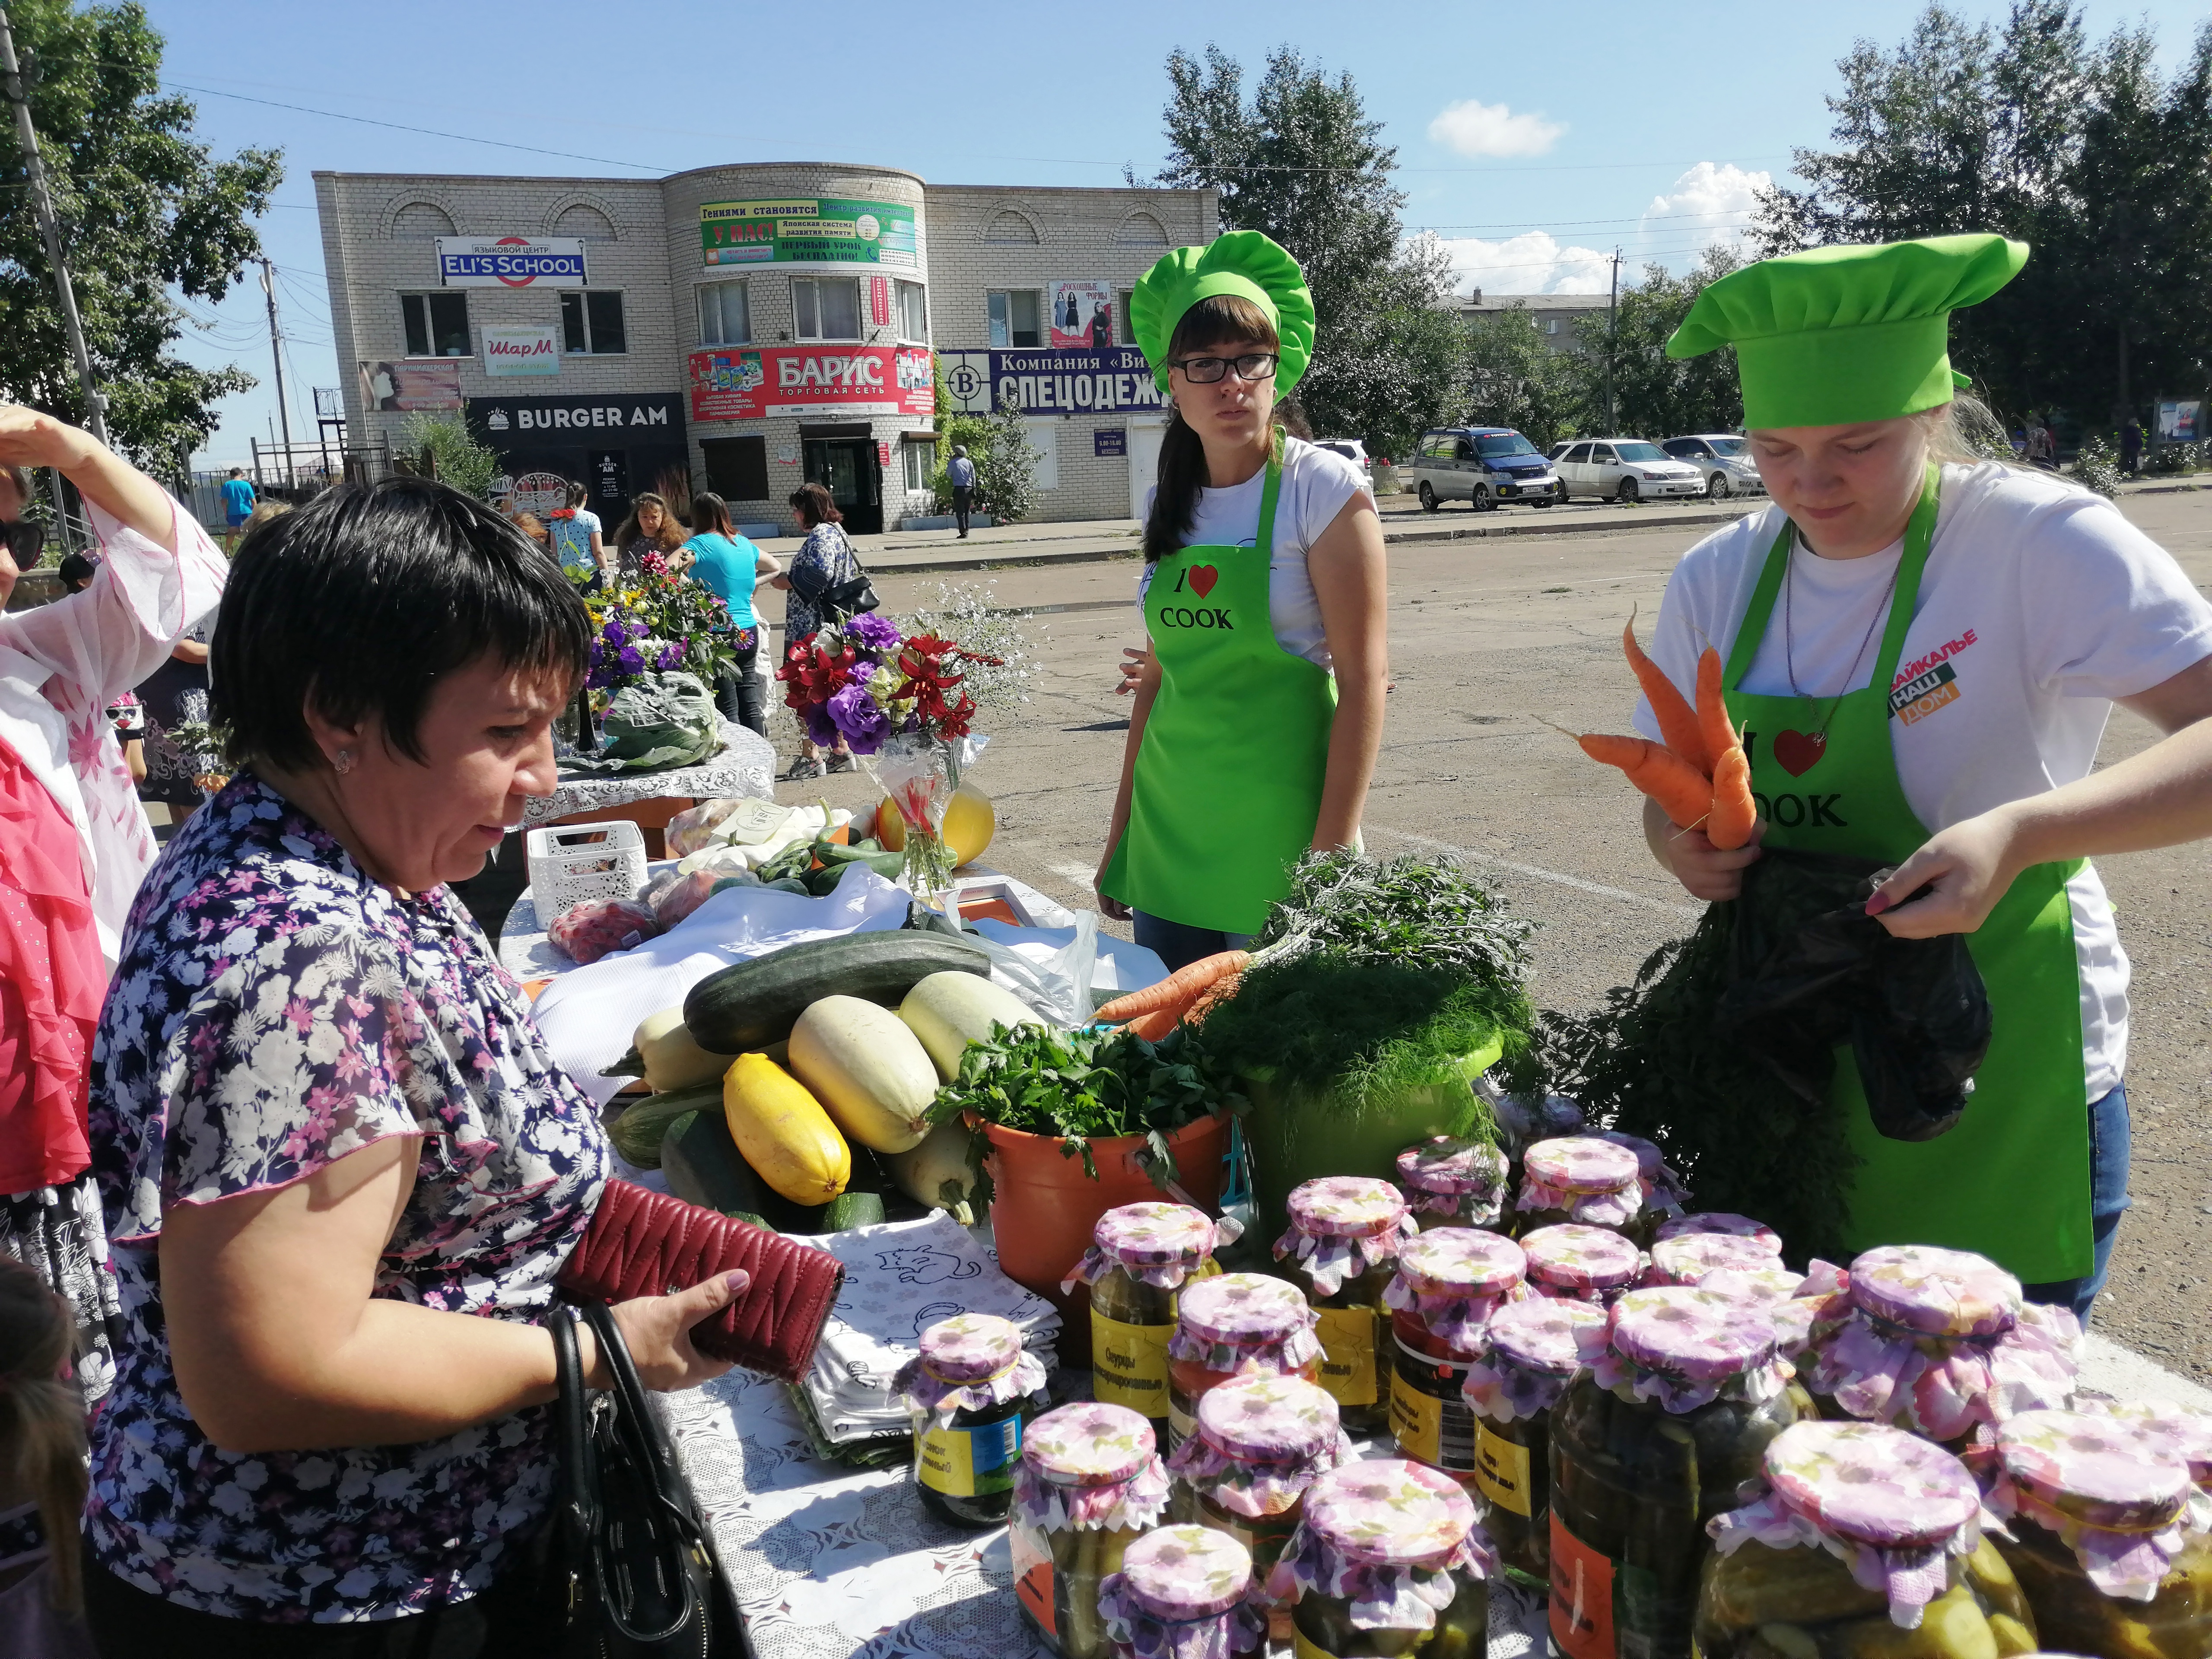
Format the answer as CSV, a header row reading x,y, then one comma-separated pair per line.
x,y
805,768
840,762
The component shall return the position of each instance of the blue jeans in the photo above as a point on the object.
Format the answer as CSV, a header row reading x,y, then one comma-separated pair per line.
x,y
1179,945
2108,1201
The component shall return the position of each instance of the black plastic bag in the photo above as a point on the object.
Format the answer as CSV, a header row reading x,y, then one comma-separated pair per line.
x,y
1810,970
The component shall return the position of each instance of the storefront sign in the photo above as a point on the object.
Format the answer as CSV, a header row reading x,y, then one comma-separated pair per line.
x,y
1109,440
1082,317
819,231
533,492
659,414
883,454
511,261
879,300
745,383
520,351
412,383
1050,382
2180,423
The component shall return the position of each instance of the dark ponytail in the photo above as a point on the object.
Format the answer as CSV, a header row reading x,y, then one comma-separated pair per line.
x,y
1223,319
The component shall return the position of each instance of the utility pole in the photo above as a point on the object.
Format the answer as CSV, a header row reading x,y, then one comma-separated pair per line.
x,y
1611,337
277,353
42,205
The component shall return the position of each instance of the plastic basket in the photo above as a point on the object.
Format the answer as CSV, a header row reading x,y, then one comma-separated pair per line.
x,y
569,863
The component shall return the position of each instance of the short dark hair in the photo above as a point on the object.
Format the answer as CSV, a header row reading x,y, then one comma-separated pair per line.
x,y
238,473
77,568
813,504
364,598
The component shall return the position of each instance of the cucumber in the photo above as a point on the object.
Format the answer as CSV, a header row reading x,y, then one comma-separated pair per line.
x,y
753,1004
638,1132
704,1167
852,1209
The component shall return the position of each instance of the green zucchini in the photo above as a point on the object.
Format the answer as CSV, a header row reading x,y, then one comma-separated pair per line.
x,y
704,1166
850,1209
753,1004
637,1133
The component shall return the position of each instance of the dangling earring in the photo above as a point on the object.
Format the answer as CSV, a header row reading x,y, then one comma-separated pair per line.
x,y
341,762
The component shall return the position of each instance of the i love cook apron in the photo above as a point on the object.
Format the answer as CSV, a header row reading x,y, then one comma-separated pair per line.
x,y
2011,1181
1228,780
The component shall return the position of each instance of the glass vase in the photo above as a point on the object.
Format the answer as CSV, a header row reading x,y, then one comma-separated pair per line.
x,y
915,772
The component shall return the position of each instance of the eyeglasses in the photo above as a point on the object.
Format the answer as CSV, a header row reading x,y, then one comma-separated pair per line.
x,y
1205,371
24,538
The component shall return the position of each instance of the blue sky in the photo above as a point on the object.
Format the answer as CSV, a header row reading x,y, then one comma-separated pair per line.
x,y
1534,138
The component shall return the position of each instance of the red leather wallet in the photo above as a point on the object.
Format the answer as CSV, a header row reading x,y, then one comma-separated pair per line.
x,y
640,1242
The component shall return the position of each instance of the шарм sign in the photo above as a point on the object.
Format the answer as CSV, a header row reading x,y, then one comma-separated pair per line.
x,y
511,261
1049,382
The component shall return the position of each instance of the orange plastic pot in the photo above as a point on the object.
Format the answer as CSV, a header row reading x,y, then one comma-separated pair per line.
x,y
1044,1207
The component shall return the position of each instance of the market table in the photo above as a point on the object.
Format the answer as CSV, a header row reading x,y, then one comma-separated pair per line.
x,y
745,766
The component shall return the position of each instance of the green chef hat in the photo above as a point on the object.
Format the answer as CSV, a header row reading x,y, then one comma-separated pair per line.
x,y
1837,335
1244,262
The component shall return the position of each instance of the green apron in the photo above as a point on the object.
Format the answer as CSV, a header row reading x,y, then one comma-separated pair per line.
x,y
1228,780
2011,1181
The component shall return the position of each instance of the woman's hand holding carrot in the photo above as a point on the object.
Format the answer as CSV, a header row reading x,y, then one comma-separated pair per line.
x,y
1706,871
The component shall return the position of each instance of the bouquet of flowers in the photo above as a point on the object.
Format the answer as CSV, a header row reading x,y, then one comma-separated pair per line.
x,y
900,705
664,623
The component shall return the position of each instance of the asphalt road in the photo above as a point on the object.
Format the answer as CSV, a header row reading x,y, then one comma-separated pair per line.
x,y
1487,641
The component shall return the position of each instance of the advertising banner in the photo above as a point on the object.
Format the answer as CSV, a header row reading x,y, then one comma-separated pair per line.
x,y
743,383
527,350
822,230
1050,382
2181,423
511,261
1082,317
533,492
412,383
625,414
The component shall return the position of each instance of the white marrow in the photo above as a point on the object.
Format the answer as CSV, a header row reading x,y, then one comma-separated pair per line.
x,y
867,1069
948,1012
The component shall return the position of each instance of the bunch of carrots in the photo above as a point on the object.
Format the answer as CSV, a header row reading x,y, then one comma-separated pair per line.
x,y
1182,998
1700,775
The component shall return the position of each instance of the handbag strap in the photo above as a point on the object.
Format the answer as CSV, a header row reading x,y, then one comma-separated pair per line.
x,y
578,1469
637,1422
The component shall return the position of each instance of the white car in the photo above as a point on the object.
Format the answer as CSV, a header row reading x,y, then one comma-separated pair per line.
x,y
1723,460
1352,449
1625,470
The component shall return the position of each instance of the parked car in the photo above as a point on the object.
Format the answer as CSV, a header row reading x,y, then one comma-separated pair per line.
x,y
1724,461
1352,449
1484,465
1624,469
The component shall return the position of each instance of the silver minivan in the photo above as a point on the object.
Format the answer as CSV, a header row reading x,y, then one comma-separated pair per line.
x,y
1486,466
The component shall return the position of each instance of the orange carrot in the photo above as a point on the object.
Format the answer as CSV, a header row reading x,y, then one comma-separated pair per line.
x,y
1679,788
1734,810
1176,991
1678,721
1713,723
1211,998
1155,1026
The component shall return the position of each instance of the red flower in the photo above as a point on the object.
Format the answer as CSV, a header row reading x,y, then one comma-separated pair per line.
x,y
813,675
653,564
928,665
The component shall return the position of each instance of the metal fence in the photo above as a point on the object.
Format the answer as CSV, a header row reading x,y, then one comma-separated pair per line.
x,y
295,472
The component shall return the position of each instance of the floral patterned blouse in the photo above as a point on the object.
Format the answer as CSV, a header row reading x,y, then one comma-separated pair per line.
x,y
825,560
275,1009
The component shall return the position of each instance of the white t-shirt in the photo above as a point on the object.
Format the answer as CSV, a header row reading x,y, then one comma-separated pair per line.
x,y
1317,484
2044,604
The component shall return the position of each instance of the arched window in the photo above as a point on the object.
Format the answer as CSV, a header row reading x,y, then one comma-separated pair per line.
x,y
1010,227
585,221
1142,230
420,220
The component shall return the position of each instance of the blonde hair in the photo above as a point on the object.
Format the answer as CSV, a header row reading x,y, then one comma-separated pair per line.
x,y
1965,433
42,1419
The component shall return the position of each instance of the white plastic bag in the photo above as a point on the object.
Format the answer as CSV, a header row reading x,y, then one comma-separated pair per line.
x,y
1058,988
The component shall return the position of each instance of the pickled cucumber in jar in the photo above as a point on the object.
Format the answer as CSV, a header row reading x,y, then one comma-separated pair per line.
x,y
1090,1485
1141,1255
1585,1179
1453,1182
970,1392
1529,1354
1343,1241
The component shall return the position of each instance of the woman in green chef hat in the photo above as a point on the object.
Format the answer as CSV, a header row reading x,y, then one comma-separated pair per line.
x,y
1924,648
1259,708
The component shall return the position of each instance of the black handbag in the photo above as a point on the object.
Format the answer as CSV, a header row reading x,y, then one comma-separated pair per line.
x,y
840,602
635,1559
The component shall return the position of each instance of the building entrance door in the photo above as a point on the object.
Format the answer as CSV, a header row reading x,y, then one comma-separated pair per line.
x,y
848,468
1144,442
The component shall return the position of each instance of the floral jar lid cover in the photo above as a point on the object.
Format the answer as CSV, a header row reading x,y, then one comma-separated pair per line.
x,y
1090,1465
1530,1353
1261,1441
1389,1536
1770,1283
1690,1258
1685,1347
1342,1226
1591,1180
1721,1221
1665,1192
1449,1168
969,1362
1574,1259
1183,1592
1160,1244
2170,1429
1455,1278
2111,1497
1244,1321
1888,1504
1937,1292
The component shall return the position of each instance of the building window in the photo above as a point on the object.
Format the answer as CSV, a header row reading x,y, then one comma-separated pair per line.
x,y
724,318
913,313
1014,313
825,308
1551,326
918,458
1121,334
437,324
592,324
737,468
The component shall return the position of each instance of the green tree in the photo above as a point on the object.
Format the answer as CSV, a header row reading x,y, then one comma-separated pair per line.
x,y
1655,396
442,447
1516,379
1006,473
144,208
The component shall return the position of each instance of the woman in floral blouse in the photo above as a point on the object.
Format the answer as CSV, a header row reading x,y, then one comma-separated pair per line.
x,y
339,1168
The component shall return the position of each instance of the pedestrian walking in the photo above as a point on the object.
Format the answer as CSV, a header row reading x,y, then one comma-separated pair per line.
x,y
1259,708
577,541
238,499
2131,448
42,1483
960,473
652,527
821,580
730,566
1918,644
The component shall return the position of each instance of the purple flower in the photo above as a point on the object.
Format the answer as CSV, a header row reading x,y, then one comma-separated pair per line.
x,y
869,632
638,630
820,728
613,631
859,717
672,658
631,661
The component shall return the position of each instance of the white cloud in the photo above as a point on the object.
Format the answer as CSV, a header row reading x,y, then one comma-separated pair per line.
x,y
1531,263
1711,202
1473,128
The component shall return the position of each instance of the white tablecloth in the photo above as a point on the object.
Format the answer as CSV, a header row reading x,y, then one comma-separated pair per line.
x,y
746,766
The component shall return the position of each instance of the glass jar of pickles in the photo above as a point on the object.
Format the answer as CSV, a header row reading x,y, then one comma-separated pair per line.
x,y
1234,1325
2104,1541
1936,1341
1453,1182
1863,1541
968,1393
1648,1444
1262,1442
1344,1234
1692,1258
1578,1263
1528,1356
1581,1179
1140,1257
1387,1561
1183,1593
1090,1485
1448,1285
1665,1194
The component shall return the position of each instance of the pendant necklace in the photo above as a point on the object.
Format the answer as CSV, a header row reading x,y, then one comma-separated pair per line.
x,y
1819,732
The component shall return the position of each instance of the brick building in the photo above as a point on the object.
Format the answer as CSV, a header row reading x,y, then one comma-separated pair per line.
x,y
750,327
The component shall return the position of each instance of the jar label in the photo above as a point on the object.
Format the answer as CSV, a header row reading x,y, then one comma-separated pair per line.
x,y
1347,1354
1301,1647
1581,1596
1129,1364
1417,1424
970,1462
1437,1430
1501,1469
1032,1560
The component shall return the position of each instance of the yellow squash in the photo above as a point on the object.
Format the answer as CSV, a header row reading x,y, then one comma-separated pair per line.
x,y
948,1016
783,1132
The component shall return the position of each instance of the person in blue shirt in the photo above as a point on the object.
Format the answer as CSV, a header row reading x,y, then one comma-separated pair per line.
x,y
730,566
237,504
960,473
